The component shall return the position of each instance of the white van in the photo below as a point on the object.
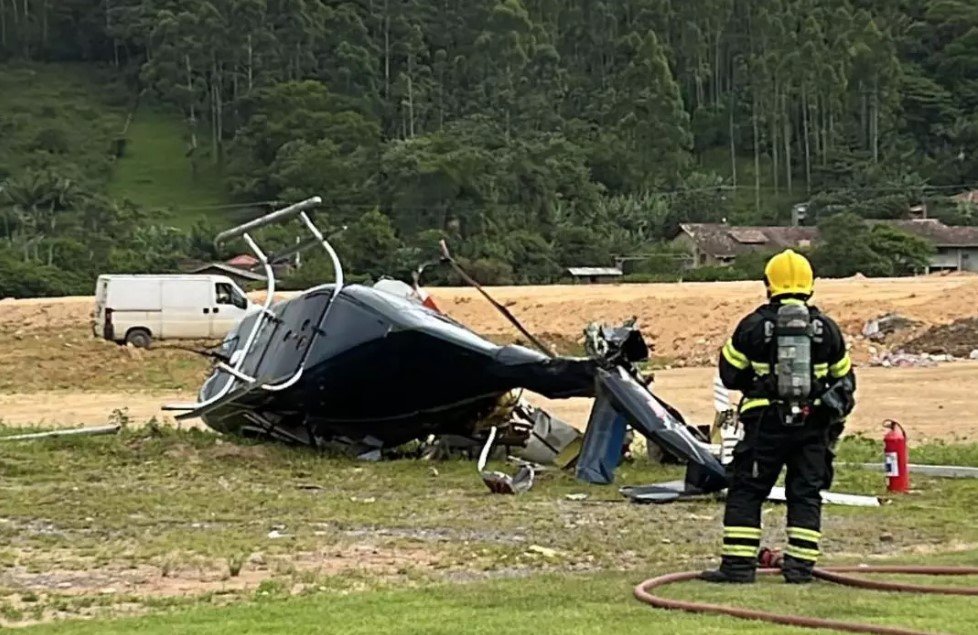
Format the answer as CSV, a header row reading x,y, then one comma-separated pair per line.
x,y
137,309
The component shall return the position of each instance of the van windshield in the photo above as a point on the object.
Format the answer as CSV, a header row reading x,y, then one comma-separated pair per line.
x,y
230,294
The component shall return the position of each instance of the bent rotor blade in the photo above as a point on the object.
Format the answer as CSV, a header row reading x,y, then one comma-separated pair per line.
x,y
499,307
649,416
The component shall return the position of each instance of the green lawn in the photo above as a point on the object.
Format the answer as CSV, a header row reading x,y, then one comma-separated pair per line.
x,y
157,173
546,605
196,533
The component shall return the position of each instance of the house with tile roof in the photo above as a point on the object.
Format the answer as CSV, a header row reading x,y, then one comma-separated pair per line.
x,y
715,244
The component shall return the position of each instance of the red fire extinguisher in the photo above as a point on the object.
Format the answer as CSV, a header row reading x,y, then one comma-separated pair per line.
x,y
896,458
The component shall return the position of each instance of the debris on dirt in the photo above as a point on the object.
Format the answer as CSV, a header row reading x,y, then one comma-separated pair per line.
x,y
959,338
879,328
576,497
309,486
901,359
546,552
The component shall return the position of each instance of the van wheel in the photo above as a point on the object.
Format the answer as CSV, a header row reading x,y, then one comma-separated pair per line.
x,y
139,338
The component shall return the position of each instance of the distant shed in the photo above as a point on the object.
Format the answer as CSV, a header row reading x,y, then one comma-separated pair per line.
x,y
240,276
594,275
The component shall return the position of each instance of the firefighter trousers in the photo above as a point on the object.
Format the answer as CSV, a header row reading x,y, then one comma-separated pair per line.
x,y
769,446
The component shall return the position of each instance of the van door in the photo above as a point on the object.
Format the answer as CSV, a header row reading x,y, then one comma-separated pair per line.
x,y
98,319
134,303
230,305
187,305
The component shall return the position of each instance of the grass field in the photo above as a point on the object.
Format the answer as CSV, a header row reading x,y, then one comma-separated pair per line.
x,y
54,115
775,204
187,531
156,173
548,605
67,117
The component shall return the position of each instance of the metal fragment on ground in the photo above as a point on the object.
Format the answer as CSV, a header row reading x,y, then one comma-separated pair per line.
x,y
834,498
75,432
943,471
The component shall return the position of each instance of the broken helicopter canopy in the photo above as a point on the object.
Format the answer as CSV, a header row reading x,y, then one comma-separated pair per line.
x,y
371,368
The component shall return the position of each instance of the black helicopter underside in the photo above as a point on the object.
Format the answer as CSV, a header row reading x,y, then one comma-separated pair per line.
x,y
376,365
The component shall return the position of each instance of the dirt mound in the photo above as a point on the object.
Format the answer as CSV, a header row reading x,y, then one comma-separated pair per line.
x,y
686,322
959,338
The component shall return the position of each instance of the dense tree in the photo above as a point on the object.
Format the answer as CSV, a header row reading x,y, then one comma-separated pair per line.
x,y
850,246
534,134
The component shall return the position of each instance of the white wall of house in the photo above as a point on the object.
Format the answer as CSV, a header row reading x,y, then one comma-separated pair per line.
x,y
955,258
698,258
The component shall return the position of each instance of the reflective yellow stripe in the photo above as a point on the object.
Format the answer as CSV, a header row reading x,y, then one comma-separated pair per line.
x,y
842,367
810,555
750,404
761,368
736,359
821,370
742,532
741,551
804,534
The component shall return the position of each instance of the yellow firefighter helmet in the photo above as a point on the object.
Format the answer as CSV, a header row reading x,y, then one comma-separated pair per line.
x,y
789,273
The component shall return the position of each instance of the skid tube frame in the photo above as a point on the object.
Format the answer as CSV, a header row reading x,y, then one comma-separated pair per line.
x,y
233,370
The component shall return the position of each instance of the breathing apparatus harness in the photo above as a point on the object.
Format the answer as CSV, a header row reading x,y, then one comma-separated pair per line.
x,y
793,331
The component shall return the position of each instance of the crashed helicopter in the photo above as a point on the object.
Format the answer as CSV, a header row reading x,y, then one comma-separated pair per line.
x,y
371,368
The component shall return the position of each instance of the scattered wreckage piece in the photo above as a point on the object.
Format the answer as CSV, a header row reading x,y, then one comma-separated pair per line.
x,y
901,359
672,491
369,369
499,482
668,492
879,328
832,498
74,432
723,436
940,471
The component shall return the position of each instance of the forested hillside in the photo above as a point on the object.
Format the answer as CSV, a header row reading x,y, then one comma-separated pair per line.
x,y
535,134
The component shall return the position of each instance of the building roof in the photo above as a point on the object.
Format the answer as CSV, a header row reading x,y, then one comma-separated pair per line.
x,y
231,271
243,261
720,240
936,232
725,241
971,196
594,271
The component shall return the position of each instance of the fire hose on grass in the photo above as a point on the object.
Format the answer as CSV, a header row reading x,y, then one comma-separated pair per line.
x,y
837,575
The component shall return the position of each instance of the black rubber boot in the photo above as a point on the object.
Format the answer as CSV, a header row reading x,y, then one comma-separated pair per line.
x,y
797,571
732,571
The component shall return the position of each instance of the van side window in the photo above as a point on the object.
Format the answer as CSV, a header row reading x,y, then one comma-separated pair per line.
x,y
238,300
227,294
224,293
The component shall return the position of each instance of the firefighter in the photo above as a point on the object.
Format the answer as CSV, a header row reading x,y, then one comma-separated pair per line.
x,y
791,365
